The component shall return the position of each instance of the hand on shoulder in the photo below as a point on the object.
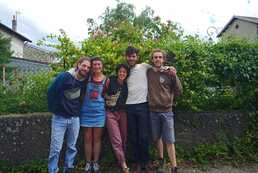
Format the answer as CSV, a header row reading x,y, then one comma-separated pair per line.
x,y
171,71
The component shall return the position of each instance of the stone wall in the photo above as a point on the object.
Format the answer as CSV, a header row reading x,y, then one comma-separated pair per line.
x,y
26,137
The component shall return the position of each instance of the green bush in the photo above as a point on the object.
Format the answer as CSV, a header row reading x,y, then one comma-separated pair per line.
x,y
34,96
31,167
221,75
215,76
9,100
25,95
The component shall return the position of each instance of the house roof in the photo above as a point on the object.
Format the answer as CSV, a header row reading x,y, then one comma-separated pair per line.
x,y
12,32
243,18
29,60
41,49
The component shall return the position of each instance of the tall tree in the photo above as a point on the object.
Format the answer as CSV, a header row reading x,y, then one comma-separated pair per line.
x,y
122,24
113,17
5,49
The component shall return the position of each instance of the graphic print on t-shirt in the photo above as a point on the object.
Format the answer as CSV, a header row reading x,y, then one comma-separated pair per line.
x,y
161,79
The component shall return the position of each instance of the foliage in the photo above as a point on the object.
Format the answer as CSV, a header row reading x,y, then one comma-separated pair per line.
x,y
122,24
25,95
218,75
9,101
5,49
34,93
236,150
67,52
31,167
119,27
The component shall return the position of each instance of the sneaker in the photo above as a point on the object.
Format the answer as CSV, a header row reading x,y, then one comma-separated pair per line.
x,y
87,168
126,170
174,170
161,166
95,167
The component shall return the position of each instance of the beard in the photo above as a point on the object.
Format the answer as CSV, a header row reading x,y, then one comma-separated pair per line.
x,y
82,74
131,63
157,64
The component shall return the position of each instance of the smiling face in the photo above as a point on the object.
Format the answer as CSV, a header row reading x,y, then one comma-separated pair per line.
x,y
122,74
97,66
158,59
132,59
83,68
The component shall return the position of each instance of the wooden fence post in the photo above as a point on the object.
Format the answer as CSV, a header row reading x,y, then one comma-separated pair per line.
x,y
4,75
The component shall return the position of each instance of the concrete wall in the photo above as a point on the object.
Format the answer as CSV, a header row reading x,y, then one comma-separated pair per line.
x,y
26,137
245,29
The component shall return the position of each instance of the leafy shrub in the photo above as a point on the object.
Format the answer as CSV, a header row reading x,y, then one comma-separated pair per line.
x,y
31,167
34,96
9,100
26,95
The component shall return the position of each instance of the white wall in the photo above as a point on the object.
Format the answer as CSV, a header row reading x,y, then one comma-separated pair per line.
x,y
245,29
16,45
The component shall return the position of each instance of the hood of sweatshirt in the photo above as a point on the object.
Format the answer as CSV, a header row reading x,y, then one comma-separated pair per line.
x,y
72,71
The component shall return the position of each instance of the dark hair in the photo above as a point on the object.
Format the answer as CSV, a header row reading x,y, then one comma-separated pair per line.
x,y
125,66
96,59
80,60
131,50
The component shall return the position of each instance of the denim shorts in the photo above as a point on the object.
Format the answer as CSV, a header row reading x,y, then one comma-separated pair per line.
x,y
162,126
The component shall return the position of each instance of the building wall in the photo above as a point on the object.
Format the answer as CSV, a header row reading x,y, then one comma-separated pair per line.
x,y
245,29
16,45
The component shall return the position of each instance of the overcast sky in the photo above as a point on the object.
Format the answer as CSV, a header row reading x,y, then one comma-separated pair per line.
x,y
37,18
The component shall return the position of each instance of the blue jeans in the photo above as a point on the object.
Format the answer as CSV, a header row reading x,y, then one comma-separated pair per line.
x,y
59,127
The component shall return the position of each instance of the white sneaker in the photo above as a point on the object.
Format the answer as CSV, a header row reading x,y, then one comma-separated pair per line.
x,y
87,167
95,167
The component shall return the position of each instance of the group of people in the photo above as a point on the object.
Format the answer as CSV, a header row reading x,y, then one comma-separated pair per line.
x,y
136,101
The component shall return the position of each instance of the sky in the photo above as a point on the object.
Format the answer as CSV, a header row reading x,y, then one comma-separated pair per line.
x,y
38,18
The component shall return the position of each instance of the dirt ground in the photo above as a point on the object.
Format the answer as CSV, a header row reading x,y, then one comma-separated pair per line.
x,y
221,169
